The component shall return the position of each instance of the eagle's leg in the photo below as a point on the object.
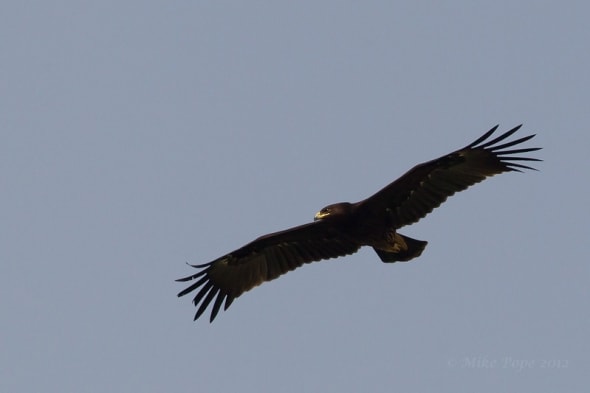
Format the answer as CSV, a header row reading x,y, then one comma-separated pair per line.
x,y
399,248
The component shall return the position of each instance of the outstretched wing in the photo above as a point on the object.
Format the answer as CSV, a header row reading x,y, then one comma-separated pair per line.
x,y
424,187
264,259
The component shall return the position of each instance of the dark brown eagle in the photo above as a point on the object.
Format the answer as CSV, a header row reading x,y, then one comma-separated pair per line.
x,y
342,228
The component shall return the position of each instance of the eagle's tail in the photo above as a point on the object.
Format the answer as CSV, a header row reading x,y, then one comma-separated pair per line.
x,y
408,249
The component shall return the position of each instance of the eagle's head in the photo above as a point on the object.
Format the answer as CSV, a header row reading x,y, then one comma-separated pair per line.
x,y
337,210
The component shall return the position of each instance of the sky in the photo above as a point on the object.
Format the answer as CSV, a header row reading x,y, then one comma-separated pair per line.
x,y
139,136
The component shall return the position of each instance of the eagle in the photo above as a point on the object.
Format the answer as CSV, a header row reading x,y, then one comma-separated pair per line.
x,y
343,228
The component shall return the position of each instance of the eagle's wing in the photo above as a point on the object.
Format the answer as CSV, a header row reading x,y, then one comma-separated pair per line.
x,y
427,185
264,259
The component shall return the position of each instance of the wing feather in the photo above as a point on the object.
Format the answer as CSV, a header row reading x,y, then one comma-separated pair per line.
x,y
428,185
264,259
217,304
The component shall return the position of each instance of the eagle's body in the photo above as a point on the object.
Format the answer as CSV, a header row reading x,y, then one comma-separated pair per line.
x,y
342,228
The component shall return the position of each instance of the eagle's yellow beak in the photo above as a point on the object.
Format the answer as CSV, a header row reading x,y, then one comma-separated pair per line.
x,y
319,215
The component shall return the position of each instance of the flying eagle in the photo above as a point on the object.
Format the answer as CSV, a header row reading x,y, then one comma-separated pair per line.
x,y
342,228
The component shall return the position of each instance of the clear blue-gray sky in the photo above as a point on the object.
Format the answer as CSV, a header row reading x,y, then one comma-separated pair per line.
x,y
139,135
